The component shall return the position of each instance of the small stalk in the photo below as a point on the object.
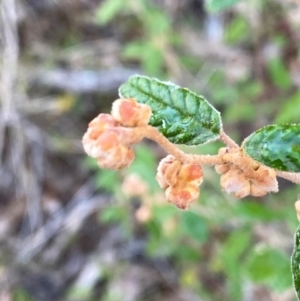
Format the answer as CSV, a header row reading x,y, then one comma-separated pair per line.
x,y
153,134
291,176
227,140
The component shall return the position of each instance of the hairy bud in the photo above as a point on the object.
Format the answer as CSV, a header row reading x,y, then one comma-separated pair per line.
x,y
236,183
167,171
242,176
222,168
110,143
96,128
182,195
116,158
128,112
191,173
266,179
181,181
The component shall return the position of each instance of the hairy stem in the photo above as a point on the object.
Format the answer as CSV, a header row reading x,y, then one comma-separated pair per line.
x,y
236,157
227,140
291,176
153,134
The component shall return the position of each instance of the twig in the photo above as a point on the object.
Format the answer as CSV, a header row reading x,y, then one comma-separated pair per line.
x,y
153,134
69,218
23,171
10,57
9,66
291,176
227,140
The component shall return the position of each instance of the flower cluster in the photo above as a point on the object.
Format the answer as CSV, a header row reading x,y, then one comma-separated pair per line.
x,y
180,180
109,137
236,181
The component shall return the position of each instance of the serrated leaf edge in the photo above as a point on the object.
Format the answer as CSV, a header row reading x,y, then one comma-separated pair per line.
x,y
186,89
290,124
245,140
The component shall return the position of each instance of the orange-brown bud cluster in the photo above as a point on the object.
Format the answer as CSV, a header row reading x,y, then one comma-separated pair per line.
x,y
235,180
181,181
128,112
109,137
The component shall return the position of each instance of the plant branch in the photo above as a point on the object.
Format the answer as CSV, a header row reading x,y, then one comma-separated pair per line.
x,y
291,176
153,134
227,140
237,157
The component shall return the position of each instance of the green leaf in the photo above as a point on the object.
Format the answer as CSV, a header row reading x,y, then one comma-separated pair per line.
x,y
188,254
156,21
112,214
107,179
230,254
256,211
179,114
237,30
218,5
269,266
163,213
289,112
194,226
151,56
109,9
279,74
295,263
236,244
277,146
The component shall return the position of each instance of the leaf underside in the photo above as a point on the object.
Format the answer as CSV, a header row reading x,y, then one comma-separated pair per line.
x,y
277,146
295,263
179,114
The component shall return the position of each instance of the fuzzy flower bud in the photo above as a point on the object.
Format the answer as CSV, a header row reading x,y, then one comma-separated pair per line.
x,y
266,179
167,171
96,128
236,183
182,195
128,112
222,168
109,142
116,158
235,180
181,181
191,173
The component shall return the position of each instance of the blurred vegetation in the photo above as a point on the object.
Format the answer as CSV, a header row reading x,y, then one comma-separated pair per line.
x,y
111,236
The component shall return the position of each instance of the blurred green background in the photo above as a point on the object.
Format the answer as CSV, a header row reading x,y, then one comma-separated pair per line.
x,y
71,231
